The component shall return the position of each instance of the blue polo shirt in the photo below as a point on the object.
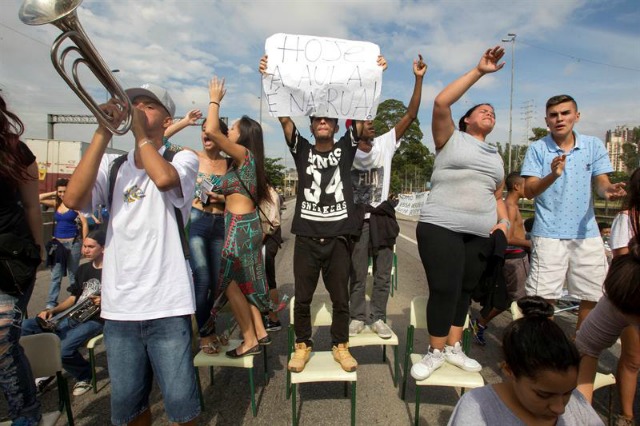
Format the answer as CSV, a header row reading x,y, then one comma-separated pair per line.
x,y
565,209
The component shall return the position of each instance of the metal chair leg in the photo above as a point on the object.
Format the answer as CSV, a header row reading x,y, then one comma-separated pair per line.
x,y
353,403
417,415
254,409
92,361
294,418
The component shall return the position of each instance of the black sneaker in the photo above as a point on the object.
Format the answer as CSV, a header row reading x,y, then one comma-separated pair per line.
x,y
272,325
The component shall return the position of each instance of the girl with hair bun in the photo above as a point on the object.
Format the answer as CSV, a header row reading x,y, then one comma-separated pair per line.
x,y
541,365
617,314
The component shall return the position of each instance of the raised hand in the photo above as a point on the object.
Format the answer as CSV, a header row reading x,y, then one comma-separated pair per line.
x,y
116,111
419,67
382,62
557,165
193,116
263,65
216,89
490,61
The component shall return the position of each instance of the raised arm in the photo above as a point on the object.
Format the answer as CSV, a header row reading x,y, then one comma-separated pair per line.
x,y
48,198
535,186
419,70
78,194
190,119
442,124
212,127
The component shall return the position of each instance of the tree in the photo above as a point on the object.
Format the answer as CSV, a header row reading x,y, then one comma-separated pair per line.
x,y
413,163
538,133
274,171
630,156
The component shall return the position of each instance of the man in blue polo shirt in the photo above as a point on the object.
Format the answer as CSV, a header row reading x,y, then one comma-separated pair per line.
x,y
567,246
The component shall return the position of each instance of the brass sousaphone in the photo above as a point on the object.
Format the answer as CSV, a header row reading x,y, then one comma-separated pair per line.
x,y
62,14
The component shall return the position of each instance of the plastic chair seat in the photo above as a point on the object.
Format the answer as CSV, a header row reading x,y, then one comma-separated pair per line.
x,y
323,368
449,375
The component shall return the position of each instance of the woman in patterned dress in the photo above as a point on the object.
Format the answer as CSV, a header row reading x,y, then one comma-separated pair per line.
x,y
242,280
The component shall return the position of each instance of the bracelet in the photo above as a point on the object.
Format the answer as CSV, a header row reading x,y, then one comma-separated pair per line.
x,y
145,142
214,102
505,220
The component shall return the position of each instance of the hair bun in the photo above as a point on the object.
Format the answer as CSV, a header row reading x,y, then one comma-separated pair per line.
x,y
535,306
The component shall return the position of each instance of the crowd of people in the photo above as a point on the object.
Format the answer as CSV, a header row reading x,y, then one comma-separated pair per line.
x,y
472,245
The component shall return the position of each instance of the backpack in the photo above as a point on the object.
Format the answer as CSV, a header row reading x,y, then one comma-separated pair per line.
x,y
270,212
168,155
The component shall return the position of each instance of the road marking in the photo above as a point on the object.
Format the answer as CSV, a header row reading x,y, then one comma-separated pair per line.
x,y
409,239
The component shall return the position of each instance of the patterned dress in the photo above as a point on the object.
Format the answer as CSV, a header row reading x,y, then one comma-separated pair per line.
x,y
242,251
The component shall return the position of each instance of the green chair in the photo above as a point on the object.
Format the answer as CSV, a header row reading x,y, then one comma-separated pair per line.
x,y
91,346
321,366
447,375
43,353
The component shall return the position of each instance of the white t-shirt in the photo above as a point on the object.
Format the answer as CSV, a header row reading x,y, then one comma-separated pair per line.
x,y
621,231
371,171
145,275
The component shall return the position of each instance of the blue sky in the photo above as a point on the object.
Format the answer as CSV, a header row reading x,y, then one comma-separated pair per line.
x,y
588,49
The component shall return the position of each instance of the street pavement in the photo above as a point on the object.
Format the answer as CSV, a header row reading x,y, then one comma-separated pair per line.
x,y
227,400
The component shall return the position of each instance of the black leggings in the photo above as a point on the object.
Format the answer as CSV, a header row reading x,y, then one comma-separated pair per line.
x,y
454,263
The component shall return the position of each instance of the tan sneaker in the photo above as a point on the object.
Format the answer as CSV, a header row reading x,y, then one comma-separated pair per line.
x,y
343,357
300,357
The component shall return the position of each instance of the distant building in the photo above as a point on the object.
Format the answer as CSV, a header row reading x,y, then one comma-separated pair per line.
x,y
615,139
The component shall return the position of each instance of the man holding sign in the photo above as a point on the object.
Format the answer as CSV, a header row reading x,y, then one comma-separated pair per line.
x,y
322,217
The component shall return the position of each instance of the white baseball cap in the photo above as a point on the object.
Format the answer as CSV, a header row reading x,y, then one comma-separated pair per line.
x,y
154,92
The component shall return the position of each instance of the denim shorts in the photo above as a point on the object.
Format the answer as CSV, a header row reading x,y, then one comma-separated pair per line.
x,y
139,350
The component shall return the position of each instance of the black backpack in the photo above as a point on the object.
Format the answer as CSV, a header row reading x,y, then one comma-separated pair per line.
x,y
168,155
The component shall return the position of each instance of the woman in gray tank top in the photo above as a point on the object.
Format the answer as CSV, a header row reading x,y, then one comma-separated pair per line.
x,y
465,205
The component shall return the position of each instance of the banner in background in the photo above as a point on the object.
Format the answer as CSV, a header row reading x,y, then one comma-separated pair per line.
x,y
410,204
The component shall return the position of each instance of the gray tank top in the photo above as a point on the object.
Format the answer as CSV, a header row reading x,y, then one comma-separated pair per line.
x,y
466,174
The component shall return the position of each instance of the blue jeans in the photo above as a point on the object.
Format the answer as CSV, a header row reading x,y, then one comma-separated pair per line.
x,y
73,259
72,336
139,350
16,380
206,238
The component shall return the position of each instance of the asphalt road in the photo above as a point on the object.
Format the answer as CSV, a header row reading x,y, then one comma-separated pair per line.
x,y
378,401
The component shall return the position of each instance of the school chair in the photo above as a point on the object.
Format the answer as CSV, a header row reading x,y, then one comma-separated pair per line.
x,y
91,346
447,375
321,366
43,353
222,360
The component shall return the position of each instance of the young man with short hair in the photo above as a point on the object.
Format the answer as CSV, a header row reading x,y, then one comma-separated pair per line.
x,y
371,178
147,291
566,243
323,228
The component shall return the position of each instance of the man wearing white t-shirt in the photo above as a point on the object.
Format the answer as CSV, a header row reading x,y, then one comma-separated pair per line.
x,y
371,178
147,290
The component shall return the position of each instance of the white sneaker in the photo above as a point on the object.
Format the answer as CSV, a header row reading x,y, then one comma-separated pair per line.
x,y
456,356
355,327
81,388
427,365
382,329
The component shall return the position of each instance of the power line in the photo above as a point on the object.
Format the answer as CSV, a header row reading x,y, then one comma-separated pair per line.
x,y
579,59
23,35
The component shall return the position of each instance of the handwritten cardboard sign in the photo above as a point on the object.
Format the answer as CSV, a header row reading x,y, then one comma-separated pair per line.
x,y
321,76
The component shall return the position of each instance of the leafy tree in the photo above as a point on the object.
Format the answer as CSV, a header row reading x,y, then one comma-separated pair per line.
x,y
616,177
517,156
274,171
413,162
538,133
630,156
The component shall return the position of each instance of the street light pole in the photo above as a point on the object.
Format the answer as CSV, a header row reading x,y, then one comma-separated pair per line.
x,y
512,40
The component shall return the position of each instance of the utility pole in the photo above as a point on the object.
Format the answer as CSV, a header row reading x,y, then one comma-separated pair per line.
x,y
512,40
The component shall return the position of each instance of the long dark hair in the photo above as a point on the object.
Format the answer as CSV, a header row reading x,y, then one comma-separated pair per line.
x,y
535,343
13,171
60,182
621,284
251,138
